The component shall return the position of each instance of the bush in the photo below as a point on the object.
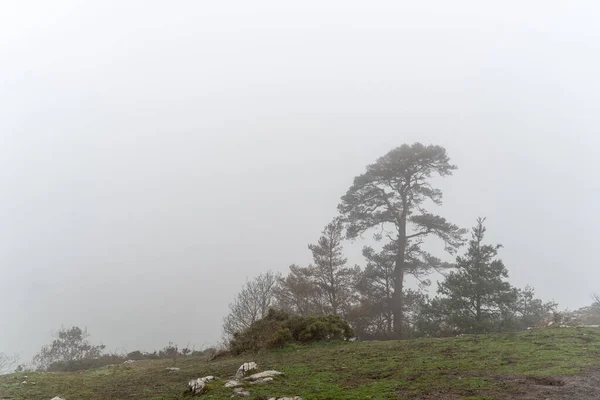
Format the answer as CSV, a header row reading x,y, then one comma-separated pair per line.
x,y
86,363
168,352
279,329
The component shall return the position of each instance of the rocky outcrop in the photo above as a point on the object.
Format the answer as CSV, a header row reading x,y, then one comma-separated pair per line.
x,y
245,369
286,398
262,375
198,386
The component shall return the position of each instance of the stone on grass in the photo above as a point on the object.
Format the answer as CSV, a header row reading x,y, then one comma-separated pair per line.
x,y
57,398
232,384
263,380
245,368
286,398
173,369
196,386
241,392
261,375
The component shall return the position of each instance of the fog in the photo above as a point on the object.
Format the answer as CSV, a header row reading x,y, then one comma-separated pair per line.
x,y
154,155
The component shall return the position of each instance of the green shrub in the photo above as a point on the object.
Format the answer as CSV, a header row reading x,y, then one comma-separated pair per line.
x,y
86,363
279,329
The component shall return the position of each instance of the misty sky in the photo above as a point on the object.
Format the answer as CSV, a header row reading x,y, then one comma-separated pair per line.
x,y
154,154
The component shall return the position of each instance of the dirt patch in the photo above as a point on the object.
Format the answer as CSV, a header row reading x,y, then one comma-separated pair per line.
x,y
436,396
580,387
546,380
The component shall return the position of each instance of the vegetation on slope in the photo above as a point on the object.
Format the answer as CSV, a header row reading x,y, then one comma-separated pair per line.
x,y
474,367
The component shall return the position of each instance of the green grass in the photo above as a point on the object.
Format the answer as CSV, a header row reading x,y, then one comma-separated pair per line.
x,y
467,367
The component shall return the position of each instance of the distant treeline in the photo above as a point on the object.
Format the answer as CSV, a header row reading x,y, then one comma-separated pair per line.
x,y
72,351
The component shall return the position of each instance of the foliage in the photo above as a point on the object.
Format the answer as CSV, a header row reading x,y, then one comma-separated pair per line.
x,y
529,310
278,329
86,363
170,351
70,346
8,362
329,272
251,303
325,287
478,298
296,293
588,315
393,193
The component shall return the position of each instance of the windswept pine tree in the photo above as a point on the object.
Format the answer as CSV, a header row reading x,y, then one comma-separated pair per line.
x,y
392,196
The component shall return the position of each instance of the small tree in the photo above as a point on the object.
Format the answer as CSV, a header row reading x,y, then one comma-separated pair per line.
x,y
297,293
329,273
251,303
391,196
8,363
478,296
529,310
70,345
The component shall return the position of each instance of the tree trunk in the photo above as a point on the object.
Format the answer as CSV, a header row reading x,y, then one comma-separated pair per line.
x,y
398,297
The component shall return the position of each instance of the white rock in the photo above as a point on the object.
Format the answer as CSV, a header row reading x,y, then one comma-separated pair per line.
x,y
550,323
263,380
245,368
196,386
57,398
261,375
243,393
208,378
286,398
232,384
129,361
173,369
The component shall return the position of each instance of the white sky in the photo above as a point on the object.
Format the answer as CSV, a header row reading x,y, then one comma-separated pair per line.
x,y
155,154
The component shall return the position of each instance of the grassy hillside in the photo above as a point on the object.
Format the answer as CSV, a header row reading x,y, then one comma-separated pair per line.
x,y
524,365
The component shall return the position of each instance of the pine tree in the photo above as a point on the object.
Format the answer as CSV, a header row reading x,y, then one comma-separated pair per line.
x,y
329,271
391,196
478,298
